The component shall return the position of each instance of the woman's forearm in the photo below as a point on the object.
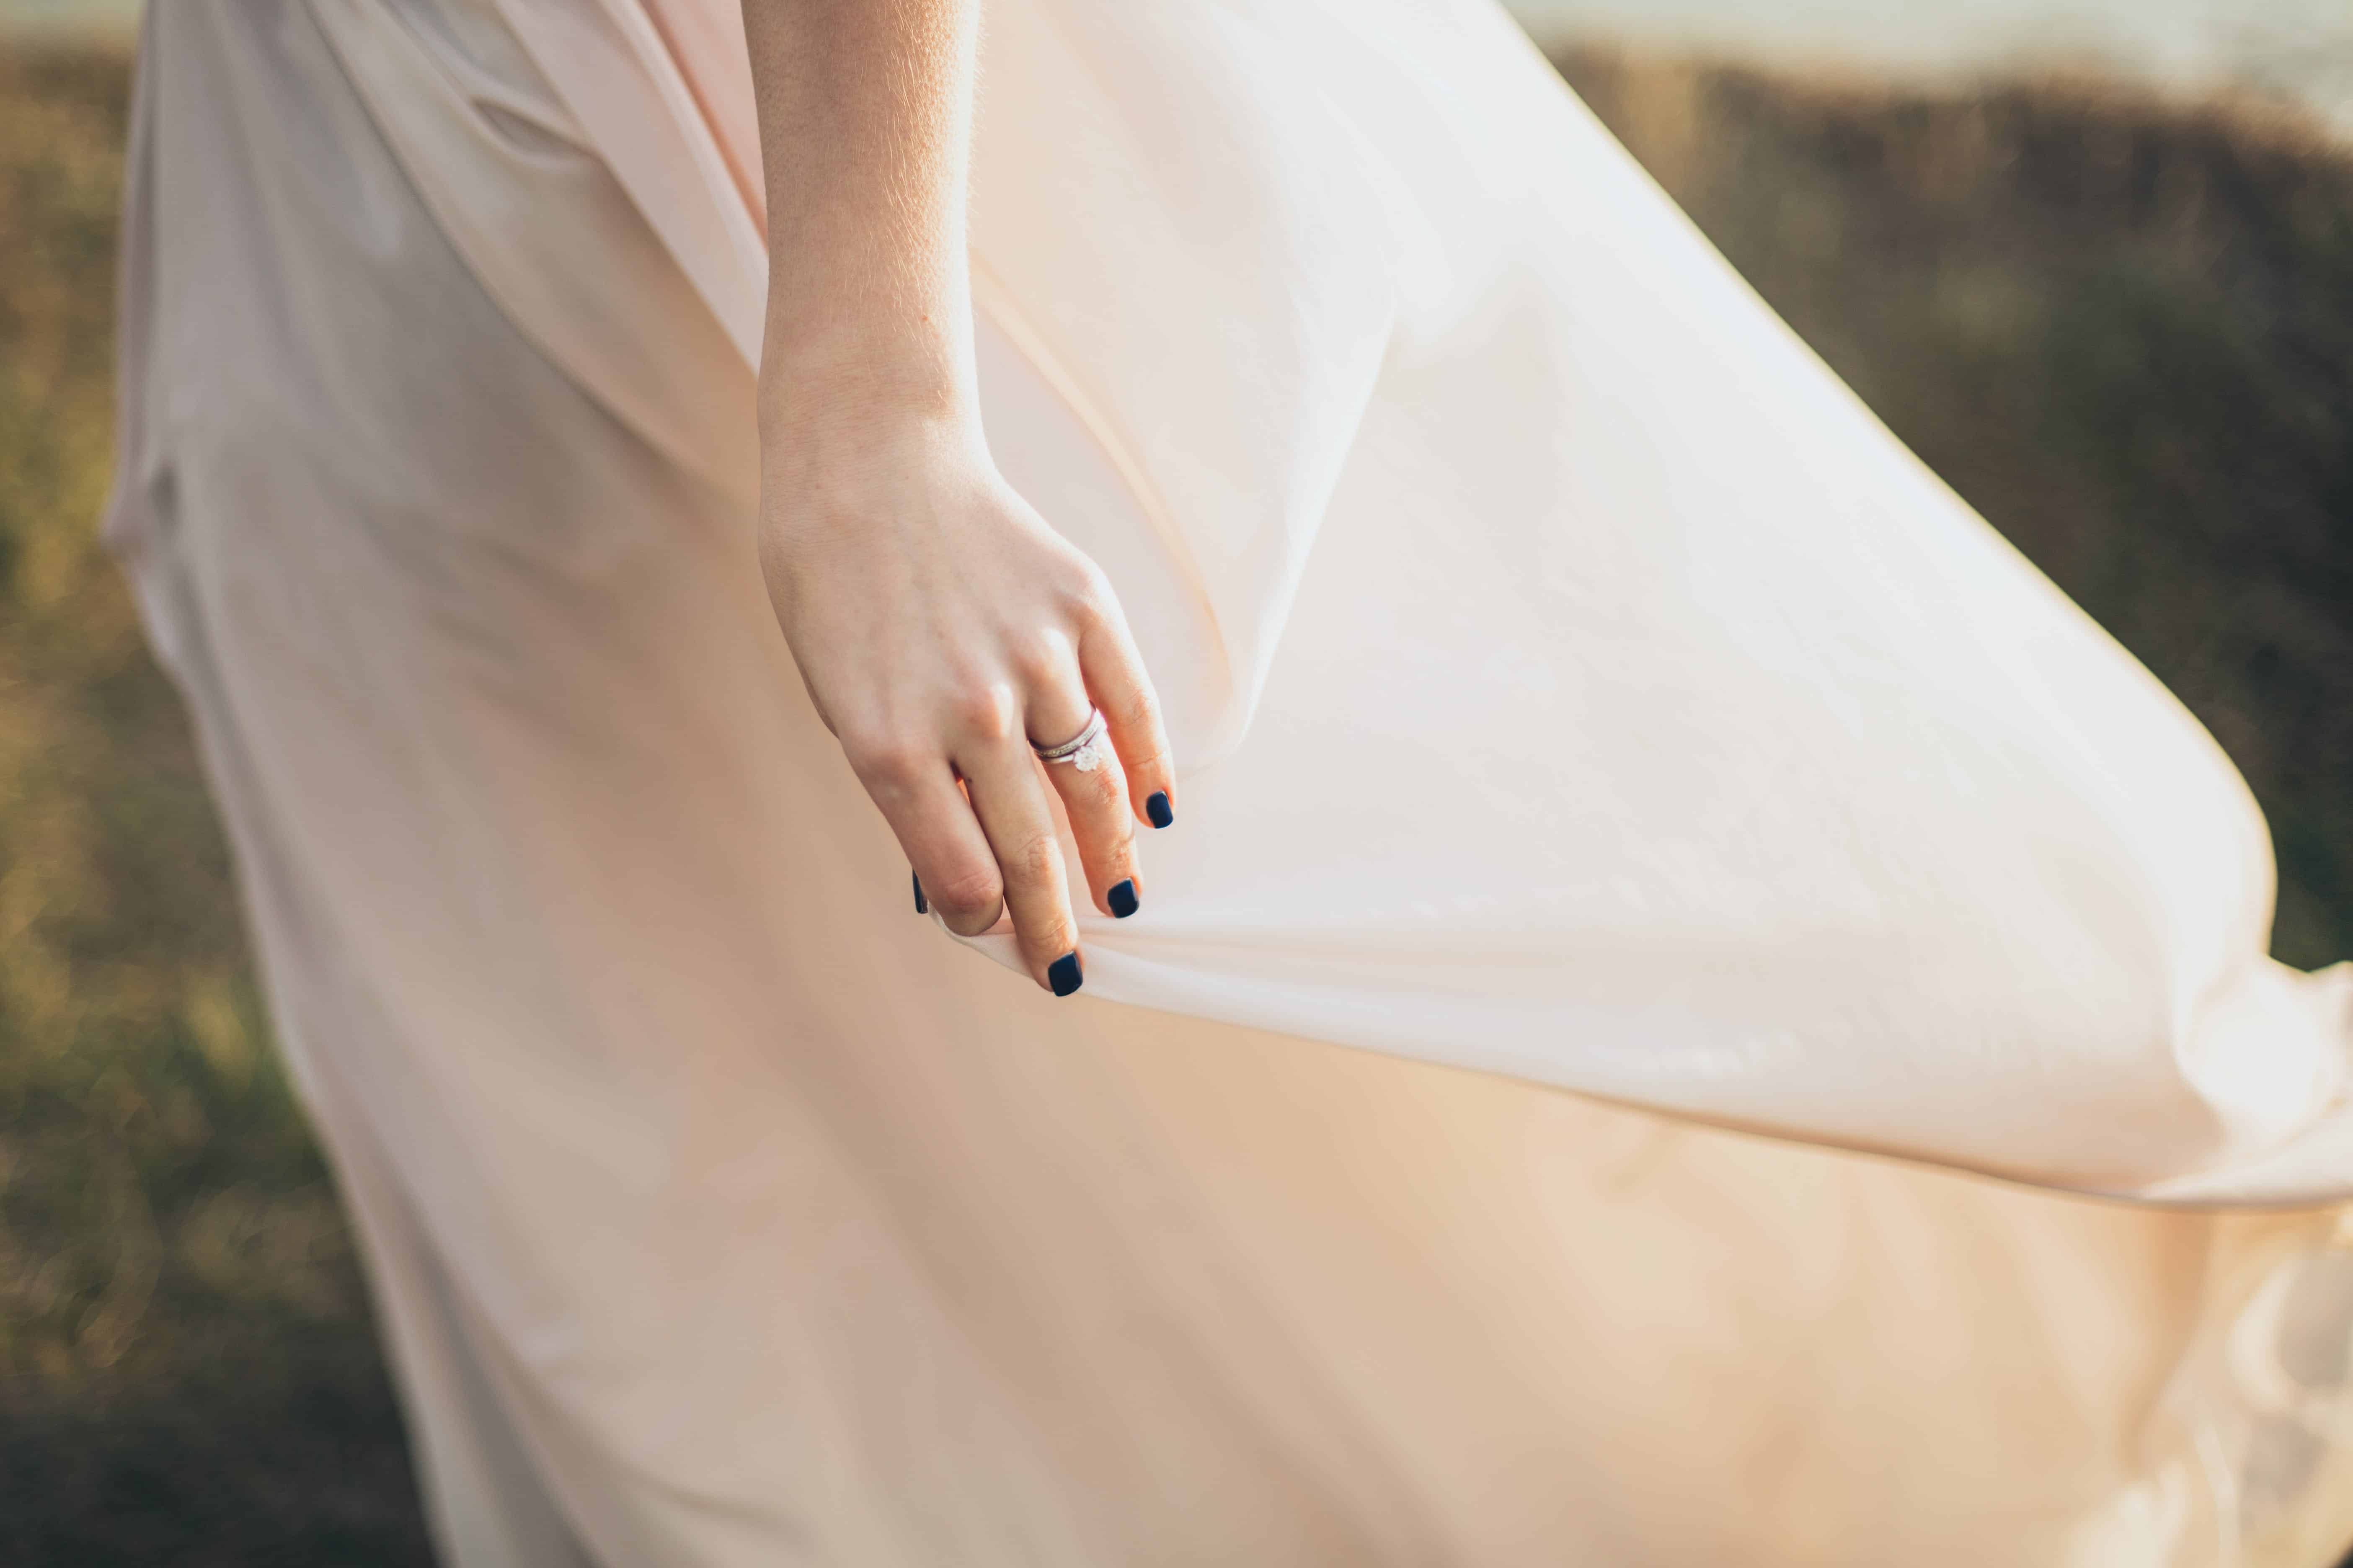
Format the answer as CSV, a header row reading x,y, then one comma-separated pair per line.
x,y
943,627
865,130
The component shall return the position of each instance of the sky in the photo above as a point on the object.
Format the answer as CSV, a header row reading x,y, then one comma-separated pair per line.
x,y
2302,48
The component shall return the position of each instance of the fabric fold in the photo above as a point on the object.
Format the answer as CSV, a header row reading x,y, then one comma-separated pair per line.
x,y
1574,681
1635,717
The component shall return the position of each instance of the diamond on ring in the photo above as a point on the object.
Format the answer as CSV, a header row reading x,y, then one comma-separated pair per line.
x,y
1084,751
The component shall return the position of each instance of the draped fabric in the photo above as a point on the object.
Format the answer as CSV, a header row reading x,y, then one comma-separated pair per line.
x,y
1571,682
1675,736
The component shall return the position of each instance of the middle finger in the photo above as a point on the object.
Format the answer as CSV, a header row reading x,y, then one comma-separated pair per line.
x,y
1009,799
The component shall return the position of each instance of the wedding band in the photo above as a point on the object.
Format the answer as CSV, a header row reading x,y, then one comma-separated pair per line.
x,y
1080,750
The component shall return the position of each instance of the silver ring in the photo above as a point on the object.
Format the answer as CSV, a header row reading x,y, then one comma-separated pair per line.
x,y
1081,751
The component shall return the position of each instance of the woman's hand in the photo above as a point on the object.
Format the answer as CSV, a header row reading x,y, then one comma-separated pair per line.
x,y
943,628
941,625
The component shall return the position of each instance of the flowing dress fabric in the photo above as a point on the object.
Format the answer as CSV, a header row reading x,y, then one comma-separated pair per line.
x,y
1574,683
1682,740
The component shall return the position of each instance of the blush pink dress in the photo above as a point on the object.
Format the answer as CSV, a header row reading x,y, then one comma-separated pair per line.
x,y
1696,1010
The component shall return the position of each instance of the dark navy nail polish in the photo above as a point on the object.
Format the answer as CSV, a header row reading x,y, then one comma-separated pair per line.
x,y
1122,899
1063,975
921,908
1157,808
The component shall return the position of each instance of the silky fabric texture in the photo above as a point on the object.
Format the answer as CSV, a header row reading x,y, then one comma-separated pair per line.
x,y
722,1211
1692,745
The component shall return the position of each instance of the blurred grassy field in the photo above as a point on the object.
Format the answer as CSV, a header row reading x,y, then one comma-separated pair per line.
x,y
187,1373
2123,328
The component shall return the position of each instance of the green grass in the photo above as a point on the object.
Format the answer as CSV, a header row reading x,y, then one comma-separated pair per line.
x,y
2123,328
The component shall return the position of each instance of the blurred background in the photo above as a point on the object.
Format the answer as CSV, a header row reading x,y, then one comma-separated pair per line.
x,y
2092,258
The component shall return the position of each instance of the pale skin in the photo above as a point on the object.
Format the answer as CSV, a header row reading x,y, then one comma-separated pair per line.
x,y
941,625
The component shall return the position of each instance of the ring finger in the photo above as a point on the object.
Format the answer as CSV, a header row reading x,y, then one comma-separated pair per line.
x,y
1094,792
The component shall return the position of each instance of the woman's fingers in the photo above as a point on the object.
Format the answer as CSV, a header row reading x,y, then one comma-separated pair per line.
x,y
1009,799
956,870
1115,676
1094,789
993,841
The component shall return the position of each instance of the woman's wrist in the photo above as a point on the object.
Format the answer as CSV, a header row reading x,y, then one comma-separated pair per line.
x,y
891,340
864,462
823,405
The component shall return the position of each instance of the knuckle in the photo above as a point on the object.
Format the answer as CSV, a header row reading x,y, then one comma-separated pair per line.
x,y
1151,766
1039,660
1050,936
1036,862
1139,710
986,710
969,922
885,758
1115,854
968,890
1088,597
1104,785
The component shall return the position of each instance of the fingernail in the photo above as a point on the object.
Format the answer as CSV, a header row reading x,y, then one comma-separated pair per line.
x,y
921,908
1063,975
1157,807
1122,899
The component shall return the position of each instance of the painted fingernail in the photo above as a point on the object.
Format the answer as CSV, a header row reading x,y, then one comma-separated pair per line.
x,y
1157,807
1122,899
1063,975
921,908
